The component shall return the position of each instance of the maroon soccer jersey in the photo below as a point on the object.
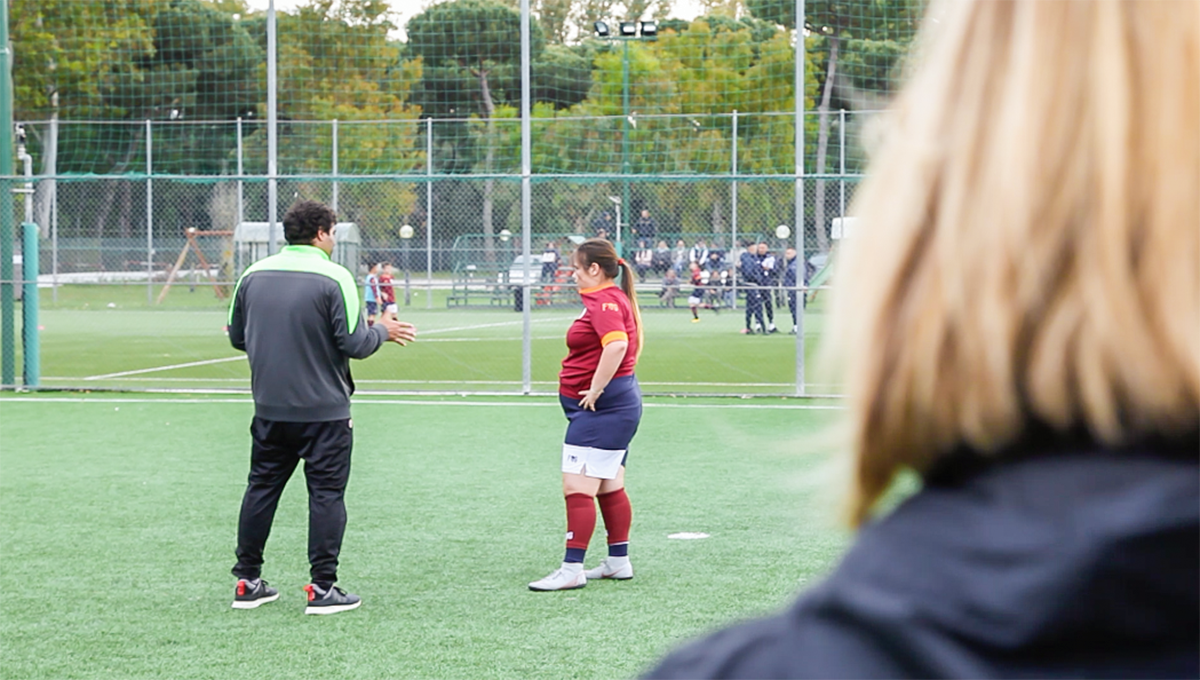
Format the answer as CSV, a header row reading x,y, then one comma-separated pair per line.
x,y
607,317
387,289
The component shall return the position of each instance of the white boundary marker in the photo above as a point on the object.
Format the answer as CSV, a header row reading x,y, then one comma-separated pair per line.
x,y
534,402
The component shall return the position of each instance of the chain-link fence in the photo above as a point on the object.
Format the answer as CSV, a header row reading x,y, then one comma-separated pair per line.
x,y
152,167
147,240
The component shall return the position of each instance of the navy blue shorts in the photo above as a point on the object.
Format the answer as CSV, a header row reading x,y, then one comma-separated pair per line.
x,y
614,422
372,308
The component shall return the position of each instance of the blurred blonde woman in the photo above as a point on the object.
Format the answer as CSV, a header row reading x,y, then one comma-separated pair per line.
x,y
1020,325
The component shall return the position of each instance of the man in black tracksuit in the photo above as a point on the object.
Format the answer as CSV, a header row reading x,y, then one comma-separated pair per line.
x,y
296,315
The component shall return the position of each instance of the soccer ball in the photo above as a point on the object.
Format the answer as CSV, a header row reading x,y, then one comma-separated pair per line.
x,y
406,231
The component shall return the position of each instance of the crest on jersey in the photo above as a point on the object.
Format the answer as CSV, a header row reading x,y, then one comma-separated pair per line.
x,y
609,307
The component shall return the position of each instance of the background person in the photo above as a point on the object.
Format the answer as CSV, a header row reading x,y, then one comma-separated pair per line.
x,y
1020,325
791,263
679,256
670,289
296,316
699,281
750,271
371,293
387,290
645,227
767,279
603,404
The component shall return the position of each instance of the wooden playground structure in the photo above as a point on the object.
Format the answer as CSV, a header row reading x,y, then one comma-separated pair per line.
x,y
192,245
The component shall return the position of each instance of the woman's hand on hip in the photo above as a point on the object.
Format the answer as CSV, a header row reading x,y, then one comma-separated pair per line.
x,y
589,398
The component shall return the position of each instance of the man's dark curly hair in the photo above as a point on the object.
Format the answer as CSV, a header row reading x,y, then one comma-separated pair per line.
x,y
304,220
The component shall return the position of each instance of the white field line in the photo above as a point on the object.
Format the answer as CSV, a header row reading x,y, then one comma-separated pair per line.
x,y
165,368
495,325
410,402
172,367
454,382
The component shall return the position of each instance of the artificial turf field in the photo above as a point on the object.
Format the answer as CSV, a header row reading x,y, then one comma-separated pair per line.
x,y
181,344
118,518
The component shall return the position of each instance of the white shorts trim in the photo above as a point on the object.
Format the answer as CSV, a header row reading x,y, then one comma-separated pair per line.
x,y
593,462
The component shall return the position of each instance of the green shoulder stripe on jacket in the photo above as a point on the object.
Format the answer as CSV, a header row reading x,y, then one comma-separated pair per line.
x,y
311,260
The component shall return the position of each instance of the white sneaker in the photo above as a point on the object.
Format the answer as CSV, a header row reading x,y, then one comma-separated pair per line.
x,y
612,567
567,577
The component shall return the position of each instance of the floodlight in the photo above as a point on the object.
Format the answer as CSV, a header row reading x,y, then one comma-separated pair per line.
x,y
505,235
601,29
628,29
649,29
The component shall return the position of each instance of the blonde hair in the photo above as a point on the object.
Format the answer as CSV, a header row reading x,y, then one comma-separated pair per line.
x,y
1033,237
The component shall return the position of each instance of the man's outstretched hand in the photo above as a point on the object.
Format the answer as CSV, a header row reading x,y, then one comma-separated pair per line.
x,y
399,332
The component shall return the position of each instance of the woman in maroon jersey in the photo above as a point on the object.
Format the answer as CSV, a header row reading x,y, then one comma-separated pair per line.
x,y
603,404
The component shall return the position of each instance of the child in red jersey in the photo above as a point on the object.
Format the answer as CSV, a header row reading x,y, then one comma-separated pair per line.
x,y
603,404
387,290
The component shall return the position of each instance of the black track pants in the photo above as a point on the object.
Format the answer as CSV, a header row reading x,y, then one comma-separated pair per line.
x,y
278,447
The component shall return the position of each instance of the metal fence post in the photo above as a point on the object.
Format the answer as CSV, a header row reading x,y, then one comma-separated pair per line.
x,y
30,335
842,160
526,208
429,213
733,192
149,215
334,165
54,248
272,130
798,73
7,302
241,198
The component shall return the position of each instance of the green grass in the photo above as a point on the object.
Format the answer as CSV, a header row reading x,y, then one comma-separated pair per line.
x,y
458,349
117,525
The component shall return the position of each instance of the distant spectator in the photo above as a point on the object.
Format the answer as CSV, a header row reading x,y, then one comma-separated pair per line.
x,y
603,224
643,260
750,272
699,290
387,291
662,258
550,261
679,256
715,261
727,294
790,282
645,226
698,253
371,293
768,282
670,288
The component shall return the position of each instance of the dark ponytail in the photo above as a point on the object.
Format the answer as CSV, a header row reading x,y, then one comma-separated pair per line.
x,y
602,252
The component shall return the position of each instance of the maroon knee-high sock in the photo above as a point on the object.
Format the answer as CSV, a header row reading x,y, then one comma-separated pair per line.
x,y
581,522
618,517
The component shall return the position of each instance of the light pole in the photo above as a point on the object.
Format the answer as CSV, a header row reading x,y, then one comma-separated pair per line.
x,y
617,204
627,31
406,234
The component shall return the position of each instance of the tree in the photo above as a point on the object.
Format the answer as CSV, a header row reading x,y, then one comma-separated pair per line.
x,y
479,38
834,22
